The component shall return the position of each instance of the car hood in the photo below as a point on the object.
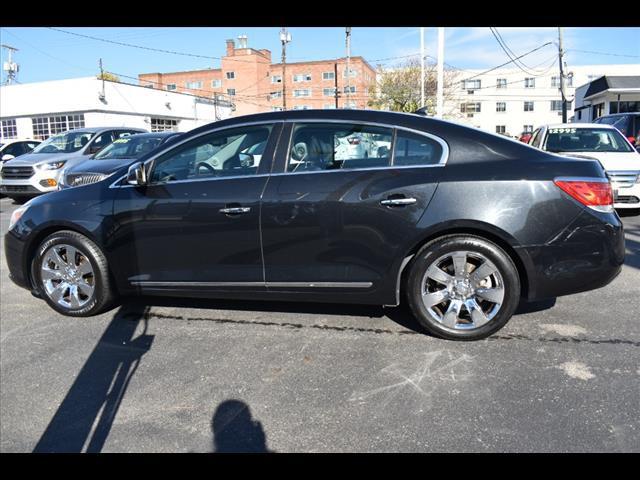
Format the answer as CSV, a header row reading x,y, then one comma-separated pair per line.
x,y
29,159
100,166
611,161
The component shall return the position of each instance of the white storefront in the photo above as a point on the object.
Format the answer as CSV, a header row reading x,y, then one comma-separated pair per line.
x,y
606,95
509,101
38,110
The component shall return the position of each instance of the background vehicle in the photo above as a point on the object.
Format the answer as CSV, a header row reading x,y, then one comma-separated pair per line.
x,y
460,223
9,149
604,143
122,151
627,123
39,170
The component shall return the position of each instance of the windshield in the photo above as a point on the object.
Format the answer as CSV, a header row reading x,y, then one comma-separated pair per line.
x,y
129,147
586,140
64,143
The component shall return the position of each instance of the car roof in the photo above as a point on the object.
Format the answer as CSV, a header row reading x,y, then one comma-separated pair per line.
x,y
101,129
8,141
578,125
153,134
625,114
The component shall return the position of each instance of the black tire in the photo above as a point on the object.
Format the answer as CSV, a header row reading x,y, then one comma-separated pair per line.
x,y
434,250
103,293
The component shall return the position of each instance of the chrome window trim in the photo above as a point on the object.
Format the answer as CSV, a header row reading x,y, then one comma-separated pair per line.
x,y
443,159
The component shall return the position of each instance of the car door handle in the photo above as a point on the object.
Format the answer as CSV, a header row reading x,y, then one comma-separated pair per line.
x,y
398,202
234,210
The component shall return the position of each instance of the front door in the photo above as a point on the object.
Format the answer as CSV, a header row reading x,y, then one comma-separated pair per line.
x,y
197,222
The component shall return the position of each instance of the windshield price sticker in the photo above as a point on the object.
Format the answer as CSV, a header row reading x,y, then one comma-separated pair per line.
x,y
562,130
121,140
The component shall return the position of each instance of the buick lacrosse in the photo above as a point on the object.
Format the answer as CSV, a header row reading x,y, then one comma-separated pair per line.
x,y
337,206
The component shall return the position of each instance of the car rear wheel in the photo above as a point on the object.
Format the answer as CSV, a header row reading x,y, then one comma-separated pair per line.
x,y
72,275
462,287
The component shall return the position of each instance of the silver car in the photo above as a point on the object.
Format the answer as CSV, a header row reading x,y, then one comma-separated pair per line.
x,y
39,171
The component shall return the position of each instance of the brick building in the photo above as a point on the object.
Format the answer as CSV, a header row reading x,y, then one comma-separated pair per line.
x,y
250,80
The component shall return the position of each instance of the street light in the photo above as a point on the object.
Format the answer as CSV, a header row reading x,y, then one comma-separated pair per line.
x,y
285,37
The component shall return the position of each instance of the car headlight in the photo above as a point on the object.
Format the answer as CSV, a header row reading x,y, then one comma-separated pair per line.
x,y
17,214
51,165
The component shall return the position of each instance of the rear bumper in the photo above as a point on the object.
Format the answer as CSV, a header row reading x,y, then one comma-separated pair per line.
x,y
587,255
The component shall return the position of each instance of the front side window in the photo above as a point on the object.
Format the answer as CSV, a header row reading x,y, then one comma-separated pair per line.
x,y
414,149
64,142
233,152
318,147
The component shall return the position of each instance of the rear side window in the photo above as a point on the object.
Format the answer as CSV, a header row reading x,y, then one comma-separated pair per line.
x,y
414,149
338,146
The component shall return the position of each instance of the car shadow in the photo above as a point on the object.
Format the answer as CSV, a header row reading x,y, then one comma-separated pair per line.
x,y
84,419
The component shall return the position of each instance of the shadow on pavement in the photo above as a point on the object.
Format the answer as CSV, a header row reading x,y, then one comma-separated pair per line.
x,y
85,416
235,431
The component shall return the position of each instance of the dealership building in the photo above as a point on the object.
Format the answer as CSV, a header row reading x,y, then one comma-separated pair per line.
x,y
41,109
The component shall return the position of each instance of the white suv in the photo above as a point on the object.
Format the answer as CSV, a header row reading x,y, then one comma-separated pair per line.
x,y
601,142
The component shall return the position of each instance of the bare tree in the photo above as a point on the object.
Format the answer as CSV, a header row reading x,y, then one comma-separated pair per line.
x,y
398,88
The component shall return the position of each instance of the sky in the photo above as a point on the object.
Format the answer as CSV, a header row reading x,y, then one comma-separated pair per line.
x,y
46,54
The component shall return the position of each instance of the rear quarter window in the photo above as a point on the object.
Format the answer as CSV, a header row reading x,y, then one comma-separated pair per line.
x,y
413,149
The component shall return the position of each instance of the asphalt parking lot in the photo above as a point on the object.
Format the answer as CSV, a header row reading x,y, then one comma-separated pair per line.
x,y
170,375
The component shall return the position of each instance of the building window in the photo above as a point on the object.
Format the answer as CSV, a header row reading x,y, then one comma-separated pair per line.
x,y
555,82
579,114
501,83
352,73
470,107
231,75
302,77
216,83
527,128
471,84
556,105
276,79
44,127
194,85
301,107
329,106
350,89
569,80
163,125
302,93
276,94
231,91
276,109
9,129
501,129
529,82
501,106
528,106
328,75
328,92
624,107
171,87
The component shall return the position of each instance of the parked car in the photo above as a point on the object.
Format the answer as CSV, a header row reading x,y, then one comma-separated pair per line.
x,y
123,151
604,143
461,223
10,149
525,137
39,170
627,123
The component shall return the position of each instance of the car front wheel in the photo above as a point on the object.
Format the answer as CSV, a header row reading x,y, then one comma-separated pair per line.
x,y
72,275
462,287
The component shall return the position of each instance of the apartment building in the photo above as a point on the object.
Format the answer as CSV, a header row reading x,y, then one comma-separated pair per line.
x,y
253,83
510,101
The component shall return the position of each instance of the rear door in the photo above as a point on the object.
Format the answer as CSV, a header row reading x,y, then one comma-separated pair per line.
x,y
335,217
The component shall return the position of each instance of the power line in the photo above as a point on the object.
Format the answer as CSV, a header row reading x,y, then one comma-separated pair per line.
x,y
505,48
601,53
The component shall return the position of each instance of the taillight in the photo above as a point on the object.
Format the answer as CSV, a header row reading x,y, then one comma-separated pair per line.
x,y
595,194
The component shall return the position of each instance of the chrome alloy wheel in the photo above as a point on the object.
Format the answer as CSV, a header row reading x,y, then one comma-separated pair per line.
x,y
462,290
67,276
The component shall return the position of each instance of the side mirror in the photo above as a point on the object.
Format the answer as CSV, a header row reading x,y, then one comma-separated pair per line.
x,y
7,156
137,175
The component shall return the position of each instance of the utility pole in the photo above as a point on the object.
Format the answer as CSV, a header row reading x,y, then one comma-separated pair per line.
x,y
335,82
440,89
285,37
421,67
348,34
102,95
10,67
560,61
